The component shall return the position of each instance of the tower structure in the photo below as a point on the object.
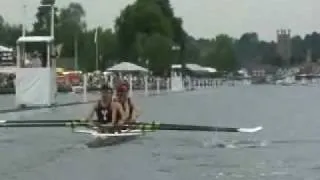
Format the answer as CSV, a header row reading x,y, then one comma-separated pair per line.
x,y
36,86
284,45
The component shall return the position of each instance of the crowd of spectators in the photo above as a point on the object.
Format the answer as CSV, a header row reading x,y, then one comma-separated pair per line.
x,y
94,82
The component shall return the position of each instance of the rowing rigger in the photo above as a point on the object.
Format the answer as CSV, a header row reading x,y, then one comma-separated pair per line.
x,y
143,126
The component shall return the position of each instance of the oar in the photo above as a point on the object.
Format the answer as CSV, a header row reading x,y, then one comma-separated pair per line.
x,y
43,121
182,127
139,125
24,125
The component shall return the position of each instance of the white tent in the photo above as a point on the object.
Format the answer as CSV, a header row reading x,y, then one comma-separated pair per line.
x,y
8,69
210,69
127,67
191,67
33,39
5,49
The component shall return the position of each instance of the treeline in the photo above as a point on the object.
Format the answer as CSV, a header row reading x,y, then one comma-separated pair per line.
x,y
148,33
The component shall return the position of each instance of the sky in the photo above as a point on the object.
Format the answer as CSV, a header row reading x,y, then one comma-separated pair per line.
x,y
202,18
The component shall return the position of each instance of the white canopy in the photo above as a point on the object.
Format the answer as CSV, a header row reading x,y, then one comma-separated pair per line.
x,y
195,67
191,67
5,49
176,66
106,73
26,39
8,69
127,67
210,69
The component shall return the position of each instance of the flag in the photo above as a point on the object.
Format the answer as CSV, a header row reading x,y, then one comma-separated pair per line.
x,y
96,36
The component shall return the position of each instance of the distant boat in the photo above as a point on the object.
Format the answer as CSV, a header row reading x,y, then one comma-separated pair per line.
x,y
288,81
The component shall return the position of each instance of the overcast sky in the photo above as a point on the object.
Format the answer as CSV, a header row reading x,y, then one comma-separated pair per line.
x,y
202,18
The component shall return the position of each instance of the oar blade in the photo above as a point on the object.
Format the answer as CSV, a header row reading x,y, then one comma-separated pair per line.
x,y
250,130
3,121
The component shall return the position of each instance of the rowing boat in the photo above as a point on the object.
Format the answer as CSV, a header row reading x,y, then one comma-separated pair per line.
x,y
109,139
104,139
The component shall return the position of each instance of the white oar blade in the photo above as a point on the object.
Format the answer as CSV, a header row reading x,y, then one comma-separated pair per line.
x,y
250,130
2,121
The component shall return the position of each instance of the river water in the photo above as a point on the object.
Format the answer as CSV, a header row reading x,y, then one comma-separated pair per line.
x,y
286,149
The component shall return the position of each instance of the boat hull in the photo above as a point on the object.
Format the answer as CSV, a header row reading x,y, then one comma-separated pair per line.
x,y
110,139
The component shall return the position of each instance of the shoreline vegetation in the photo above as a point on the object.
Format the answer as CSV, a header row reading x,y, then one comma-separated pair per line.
x,y
149,34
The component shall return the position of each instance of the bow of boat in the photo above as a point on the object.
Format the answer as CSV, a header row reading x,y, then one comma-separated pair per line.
x,y
109,139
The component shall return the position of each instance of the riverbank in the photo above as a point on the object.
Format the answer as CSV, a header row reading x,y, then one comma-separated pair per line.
x,y
4,91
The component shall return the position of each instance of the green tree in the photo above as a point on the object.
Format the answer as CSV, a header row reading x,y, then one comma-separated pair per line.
x,y
43,18
312,42
141,17
70,26
87,51
222,55
268,51
145,20
247,48
108,48
1,21
298,50
9,33
158,51
192,52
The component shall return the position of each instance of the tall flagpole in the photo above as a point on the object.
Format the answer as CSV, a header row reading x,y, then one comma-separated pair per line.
x,y
97,50
23,23
52,20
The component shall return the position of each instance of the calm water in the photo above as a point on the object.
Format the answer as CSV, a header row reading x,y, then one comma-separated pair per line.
x,y
287,148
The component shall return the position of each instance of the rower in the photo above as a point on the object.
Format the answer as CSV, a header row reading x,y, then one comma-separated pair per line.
x,y
106,109
129,108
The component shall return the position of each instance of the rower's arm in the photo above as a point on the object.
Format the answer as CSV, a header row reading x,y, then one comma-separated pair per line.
x,y
126,111
135,112
115,109
124,114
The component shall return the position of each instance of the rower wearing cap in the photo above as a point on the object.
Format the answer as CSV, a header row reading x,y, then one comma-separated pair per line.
x,y
128,106
106,109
